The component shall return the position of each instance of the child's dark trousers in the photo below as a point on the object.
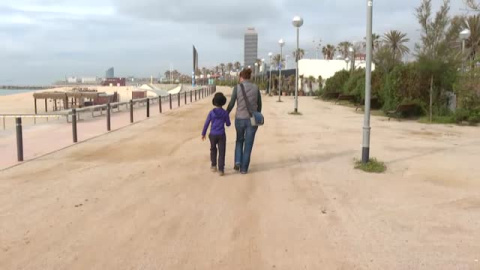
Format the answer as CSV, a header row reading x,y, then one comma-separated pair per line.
x,y
220,142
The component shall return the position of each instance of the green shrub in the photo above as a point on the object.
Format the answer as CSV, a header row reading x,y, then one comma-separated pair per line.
x,y
335,84
373,166
474,118
464,115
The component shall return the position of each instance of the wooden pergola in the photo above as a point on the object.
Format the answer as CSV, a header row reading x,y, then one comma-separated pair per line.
x,y
74,99
53,96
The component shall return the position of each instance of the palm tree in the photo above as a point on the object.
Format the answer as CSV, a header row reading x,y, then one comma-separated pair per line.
x,y
329,52
301,54
276,60
376,42
343,48
237,65
394,41
311,80
472,23
229,68
222,69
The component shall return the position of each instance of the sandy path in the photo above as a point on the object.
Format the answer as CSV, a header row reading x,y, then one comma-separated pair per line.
x,y
47,137
143,198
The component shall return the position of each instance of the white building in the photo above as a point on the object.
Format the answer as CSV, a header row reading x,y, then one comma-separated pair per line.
x,y
89,80
326,68
72,80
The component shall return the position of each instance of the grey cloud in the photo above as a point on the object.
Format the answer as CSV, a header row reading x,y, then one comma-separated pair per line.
x,y
145,36
208,11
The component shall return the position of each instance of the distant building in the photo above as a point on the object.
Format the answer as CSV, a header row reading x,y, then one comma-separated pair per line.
x,y
114,82
73,80
110,73
250,47
92,80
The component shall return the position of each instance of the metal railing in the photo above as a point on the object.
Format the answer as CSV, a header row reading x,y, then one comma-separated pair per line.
x,y
74,114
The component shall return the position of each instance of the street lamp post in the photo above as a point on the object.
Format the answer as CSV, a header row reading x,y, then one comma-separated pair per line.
x,y
256,72
368,85
281,42
262,70
464,35
297,23
352,51
270,78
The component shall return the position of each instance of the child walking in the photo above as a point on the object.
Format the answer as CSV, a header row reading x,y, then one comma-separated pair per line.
x,y
218,117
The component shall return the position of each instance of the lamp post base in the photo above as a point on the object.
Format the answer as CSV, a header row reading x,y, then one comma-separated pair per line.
x,y
365,154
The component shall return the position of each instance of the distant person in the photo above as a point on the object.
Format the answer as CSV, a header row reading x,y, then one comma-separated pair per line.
x,y
218,117
245,131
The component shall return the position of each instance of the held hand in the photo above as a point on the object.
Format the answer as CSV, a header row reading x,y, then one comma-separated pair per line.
x,y
203,138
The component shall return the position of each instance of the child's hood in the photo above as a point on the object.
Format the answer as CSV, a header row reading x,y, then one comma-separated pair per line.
x,y
219,113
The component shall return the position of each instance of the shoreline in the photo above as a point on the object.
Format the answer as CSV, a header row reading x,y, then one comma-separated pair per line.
x,y
28,87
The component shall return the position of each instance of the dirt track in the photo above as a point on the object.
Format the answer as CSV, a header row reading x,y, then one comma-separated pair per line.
x,y
144,198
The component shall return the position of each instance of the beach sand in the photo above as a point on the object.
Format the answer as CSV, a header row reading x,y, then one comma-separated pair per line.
x,y
143,197
23,103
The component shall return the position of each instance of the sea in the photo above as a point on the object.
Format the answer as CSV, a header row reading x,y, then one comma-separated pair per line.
x,y
7,92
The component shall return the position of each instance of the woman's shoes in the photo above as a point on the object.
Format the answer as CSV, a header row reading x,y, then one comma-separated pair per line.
x,y
213,169
236,167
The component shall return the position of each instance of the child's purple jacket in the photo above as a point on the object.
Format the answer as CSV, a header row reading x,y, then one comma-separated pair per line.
x,y
219,118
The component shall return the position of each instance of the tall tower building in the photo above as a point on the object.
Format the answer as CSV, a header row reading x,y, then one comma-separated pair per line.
x,y
110,73
251,47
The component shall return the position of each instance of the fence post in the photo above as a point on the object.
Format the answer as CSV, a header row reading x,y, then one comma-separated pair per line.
x,y
191,96
109,126
131,111
195,94
170,97
160,104
178,99
74,125
18,121
148,107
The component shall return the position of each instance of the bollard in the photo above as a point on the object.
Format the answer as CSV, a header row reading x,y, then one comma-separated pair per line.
x,y
160,104
131,111
195,95
109,126
191,96
178,99
74,125
148,107
170,96
185,97
18,121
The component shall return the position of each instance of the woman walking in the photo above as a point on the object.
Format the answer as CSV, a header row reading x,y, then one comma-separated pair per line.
x,y
245,131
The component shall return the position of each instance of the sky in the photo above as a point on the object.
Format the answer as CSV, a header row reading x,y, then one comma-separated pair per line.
x,y
42,41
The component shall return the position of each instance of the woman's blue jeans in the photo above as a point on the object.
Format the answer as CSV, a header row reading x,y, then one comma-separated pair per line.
x,y
245,139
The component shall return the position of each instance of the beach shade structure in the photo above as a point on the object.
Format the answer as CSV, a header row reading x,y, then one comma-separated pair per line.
x,y
75,99
51,96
